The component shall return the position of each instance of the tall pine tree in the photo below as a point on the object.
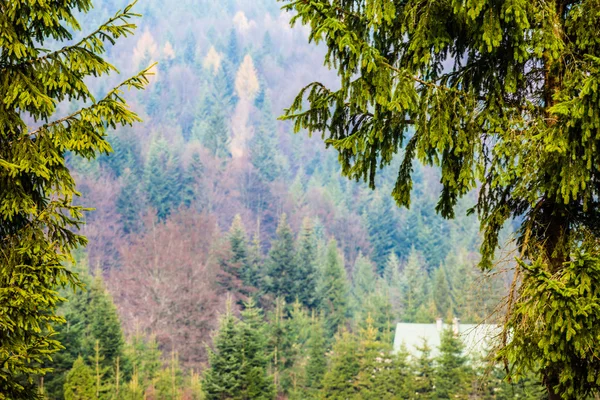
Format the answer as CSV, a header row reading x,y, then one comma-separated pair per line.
x,y
333,290
281,264
39,223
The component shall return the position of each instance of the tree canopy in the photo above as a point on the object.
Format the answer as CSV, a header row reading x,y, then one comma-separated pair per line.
x,y
500,95
38,218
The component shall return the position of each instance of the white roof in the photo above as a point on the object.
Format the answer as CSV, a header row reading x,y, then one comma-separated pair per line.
x,y
477,338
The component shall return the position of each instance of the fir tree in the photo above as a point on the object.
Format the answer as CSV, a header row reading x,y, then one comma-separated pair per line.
x,y
451,372
502,97
441,293
162,178
218,136
222,379
233,48
363,281
104,324
281,265
170,380
414,293
255,383
339,383
424,372
307,274
333,290
238,242
255,274
39,223
193,190
382,224
80,383
393,280
317,363
264,149
131,202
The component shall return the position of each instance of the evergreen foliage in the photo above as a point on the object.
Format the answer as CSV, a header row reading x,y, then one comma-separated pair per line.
x,y
451,375
39,221
317,363
333,290
281,265
307,273
498,94
80,383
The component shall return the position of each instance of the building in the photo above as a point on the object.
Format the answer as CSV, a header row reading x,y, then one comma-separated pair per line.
x,y
476,337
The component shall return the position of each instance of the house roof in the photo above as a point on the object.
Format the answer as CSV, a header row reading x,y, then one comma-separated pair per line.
x,y
477,338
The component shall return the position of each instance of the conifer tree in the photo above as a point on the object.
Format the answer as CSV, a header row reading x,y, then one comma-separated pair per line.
x,y
424,372
382,374
170,380
131,202
363,281
414,279
255,383
80,383
222,379
382,224
104,327
233,48
239,245
441,293
306,261
339,383
264,149
162,178
451,371
218,135
501,95
255,273
317,363
333,290
193,190
38,221
281,264
393,280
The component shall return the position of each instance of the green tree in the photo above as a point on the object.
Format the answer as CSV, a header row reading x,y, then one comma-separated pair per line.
x,y
339,383
80,383
333,290
441,293
264,147
306,270
222,378
193,189
217,137
281,264
38,220
131,202
317,363
363,281
104,326
414,279
497,94
255,383
162,178
382,374
452,375
239,246
424,372
169,380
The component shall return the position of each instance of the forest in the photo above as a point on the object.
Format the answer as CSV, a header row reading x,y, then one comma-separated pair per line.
x,y
202,239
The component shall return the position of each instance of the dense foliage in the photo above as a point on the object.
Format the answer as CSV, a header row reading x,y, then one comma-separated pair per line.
x,y
38,220
498,94
212,199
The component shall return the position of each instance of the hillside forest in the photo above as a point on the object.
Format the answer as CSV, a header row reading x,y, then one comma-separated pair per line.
x,y
228,258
